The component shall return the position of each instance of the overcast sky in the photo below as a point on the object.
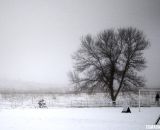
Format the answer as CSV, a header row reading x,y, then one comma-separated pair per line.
x,y
38,37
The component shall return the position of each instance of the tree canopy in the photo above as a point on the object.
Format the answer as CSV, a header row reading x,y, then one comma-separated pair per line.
x,y
110,61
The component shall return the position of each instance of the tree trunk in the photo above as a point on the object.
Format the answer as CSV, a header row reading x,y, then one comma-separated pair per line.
x,y
113,101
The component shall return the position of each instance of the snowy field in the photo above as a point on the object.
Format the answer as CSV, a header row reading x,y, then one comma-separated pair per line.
x,y
69,100
107,118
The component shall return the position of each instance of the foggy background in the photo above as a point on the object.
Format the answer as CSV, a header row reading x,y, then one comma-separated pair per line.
x,y
38,37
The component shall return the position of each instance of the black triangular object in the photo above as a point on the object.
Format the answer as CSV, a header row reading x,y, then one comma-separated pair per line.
x,y
126,110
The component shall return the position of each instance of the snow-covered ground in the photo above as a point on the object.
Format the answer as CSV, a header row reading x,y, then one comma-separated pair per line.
x,y
107,118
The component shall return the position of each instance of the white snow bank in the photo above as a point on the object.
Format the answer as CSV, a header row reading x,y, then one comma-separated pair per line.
x,y
77,119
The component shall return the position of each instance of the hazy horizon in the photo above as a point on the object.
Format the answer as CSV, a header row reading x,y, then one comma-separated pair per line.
x,y
37,37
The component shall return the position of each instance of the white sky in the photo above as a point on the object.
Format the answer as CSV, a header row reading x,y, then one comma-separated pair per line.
x,y
38,37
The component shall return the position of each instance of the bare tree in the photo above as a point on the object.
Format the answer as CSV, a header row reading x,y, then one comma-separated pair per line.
x,y
110,61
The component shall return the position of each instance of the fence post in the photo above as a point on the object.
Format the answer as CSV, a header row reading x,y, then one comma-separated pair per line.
x,y
139,101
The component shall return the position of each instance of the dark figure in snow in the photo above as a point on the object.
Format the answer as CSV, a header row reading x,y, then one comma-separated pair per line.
x,y
42,104
157,99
